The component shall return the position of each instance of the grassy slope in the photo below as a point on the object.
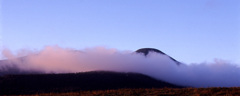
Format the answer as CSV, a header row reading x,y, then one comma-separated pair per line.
x,y
154,92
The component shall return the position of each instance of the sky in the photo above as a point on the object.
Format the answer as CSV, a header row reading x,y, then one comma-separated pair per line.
x,y
190,31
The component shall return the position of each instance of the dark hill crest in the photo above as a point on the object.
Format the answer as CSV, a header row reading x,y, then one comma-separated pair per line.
x,y
70,82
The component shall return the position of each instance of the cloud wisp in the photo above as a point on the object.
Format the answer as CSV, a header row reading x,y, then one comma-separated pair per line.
x,y
54,59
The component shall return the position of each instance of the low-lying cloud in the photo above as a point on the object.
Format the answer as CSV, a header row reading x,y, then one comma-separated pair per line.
x,y
54,59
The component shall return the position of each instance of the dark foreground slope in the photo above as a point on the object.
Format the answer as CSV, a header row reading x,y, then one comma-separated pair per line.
x,y
234,91
99,80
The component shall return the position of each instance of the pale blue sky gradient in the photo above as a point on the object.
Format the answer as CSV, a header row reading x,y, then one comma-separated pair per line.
x,y
191,31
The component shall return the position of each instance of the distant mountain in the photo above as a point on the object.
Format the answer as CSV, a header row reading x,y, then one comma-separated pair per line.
x,y
146,51
33,81
97,80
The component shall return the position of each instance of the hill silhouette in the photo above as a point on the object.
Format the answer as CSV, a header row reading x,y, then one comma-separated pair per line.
x,y
96,80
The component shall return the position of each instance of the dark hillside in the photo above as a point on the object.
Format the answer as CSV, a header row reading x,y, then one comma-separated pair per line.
x,y
98,80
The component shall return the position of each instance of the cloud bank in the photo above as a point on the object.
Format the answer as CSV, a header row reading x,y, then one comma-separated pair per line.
x,y
53,59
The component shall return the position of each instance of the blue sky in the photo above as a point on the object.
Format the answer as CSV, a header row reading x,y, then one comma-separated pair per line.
x,y
191,31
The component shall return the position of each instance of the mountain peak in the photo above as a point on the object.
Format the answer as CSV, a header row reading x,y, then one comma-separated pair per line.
x,y
145,51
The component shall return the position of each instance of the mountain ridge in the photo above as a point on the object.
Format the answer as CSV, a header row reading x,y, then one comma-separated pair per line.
x,y
94,80
146,51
